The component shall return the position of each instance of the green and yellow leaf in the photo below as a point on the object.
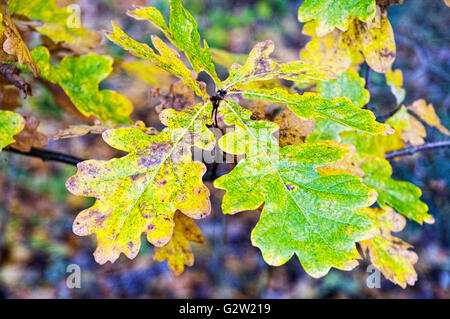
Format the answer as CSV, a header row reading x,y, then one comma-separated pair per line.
x,y
350,85
404,197
80,78
259,67
10,125
312,216
312,105
141,192
391,255
168,59
331,14
183,33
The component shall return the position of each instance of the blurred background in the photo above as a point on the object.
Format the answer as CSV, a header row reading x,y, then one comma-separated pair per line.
x,y
36,210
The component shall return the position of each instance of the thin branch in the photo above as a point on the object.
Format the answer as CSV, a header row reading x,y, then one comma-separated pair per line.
x,y
47,155
415,149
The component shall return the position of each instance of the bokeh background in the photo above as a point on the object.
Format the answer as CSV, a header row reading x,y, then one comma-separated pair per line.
x,y
36,211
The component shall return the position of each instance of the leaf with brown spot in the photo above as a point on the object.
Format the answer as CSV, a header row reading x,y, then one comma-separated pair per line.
x,y
260,67
391,255
179,97
140,192
376,40
293,129
30,136
178,250
329,51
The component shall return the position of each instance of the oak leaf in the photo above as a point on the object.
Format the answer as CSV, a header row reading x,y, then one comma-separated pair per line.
x,y
427,113
141,192
10,125
80,78
391,255
30,136
182,32
14,47
312,216
178,251
312,105
168,59
404,197
332,14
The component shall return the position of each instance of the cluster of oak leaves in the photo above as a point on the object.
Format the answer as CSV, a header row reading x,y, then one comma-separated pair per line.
x,y
326,188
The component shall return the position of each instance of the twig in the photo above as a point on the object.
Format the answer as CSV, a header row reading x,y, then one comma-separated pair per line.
x,y
47,155
415,149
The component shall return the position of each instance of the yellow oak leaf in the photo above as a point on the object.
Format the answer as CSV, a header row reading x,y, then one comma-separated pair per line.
x,y
427,113
14,46
376,41
178,251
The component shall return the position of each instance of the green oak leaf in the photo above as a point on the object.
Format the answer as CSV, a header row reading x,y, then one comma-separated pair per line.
x,y
404,197
366,145
312,216
140,192
331,14
349,84
10,124
80,78
168,59
312,105
182,32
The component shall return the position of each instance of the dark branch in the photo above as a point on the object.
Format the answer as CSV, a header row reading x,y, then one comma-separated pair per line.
x,y
415,149
47,155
